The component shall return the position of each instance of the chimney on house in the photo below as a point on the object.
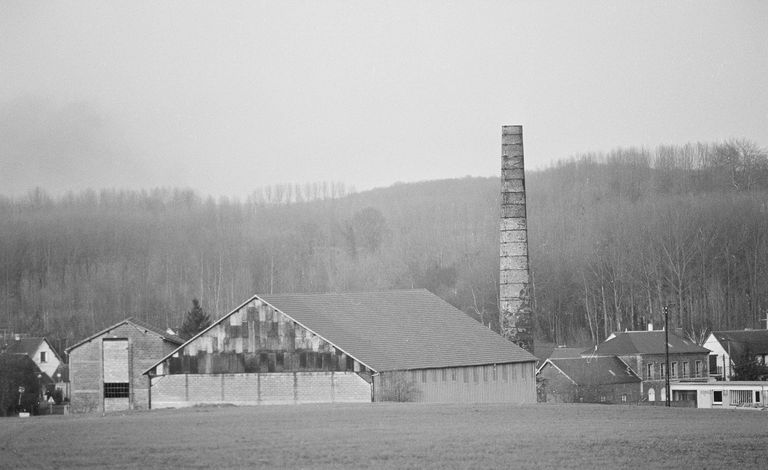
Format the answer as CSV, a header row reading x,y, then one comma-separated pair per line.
x,y
516,316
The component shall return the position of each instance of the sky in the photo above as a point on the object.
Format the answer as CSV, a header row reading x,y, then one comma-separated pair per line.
x,y
227,96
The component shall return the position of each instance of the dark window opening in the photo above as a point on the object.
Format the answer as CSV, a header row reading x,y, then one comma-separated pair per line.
x,y
116,390
42,356
717,397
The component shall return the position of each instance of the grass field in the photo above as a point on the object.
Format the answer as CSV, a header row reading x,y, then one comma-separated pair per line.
x,y
392,436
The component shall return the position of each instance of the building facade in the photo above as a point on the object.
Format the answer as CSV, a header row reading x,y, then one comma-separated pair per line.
x,y
722,394
357,347
588,380
106,369
645,354
728,348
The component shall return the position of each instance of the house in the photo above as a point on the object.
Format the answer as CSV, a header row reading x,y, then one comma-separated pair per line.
x,y
106,368
727,348
588,380
645,354
39,350
720,394
344,347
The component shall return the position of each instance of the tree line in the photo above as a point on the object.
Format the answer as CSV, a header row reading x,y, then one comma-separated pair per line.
x,y
614,238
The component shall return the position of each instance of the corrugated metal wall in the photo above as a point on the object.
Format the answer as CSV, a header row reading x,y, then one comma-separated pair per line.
x,y
493,383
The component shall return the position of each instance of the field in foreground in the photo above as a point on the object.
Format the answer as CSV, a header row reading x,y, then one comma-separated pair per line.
x,y
392,436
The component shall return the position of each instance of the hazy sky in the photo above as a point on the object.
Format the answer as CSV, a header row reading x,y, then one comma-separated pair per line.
x,y
225,96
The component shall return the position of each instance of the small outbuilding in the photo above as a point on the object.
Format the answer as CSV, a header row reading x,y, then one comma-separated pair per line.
x,y
588,380
105,369
404,345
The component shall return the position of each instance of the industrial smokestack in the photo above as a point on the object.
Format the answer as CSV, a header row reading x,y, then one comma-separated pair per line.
x,y
516,316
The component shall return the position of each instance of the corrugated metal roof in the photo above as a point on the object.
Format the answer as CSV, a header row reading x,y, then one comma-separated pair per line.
x,y
645,342
399,329
595,370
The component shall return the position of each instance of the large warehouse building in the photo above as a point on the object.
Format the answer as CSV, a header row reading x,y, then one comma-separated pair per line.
x,y
354,347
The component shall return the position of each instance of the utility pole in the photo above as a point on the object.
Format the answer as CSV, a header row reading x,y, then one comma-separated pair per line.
x,y
666,351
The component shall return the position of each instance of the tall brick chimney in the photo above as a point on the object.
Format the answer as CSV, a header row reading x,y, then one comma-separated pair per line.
x,y
516,316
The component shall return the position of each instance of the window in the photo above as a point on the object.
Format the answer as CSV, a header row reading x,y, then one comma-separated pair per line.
x,y
495,373
42,356
664,394
116,390
475,374
717,397
624,398
445,374
453,375
424,376
651,394
673,370
757,396
698,369
649,375
485,374
505,372
685,369
466,375
602,398
512,371
663,370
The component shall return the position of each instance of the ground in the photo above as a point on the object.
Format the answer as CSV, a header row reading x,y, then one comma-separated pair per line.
x,y
392,436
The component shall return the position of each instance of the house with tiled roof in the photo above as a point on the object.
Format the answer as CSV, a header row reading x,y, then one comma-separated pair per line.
x,y
344,347
105,369
602,379
39,350
727,348
644,352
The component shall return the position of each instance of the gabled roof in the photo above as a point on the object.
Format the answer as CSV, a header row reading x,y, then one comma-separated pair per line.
x,y
28,346
394,330
564,352
630,343
601,370
741,342
137,324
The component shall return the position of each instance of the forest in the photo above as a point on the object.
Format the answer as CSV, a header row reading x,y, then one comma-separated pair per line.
x,y
614,239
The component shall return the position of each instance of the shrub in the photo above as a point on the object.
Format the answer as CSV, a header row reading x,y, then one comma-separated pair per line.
x,y
397,386
16,371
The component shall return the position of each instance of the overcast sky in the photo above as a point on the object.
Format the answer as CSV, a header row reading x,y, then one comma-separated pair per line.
x,y
226,96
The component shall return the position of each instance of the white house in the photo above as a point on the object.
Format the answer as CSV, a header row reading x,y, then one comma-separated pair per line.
x,y
39,350
728,347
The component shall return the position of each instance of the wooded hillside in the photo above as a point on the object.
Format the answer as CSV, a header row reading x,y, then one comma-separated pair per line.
x,y
613,238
